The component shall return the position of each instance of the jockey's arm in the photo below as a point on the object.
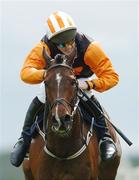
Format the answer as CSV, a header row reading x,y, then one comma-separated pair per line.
x,y
101,65
33,71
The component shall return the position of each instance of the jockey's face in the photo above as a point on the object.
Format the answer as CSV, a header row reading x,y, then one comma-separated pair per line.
x,y
67,48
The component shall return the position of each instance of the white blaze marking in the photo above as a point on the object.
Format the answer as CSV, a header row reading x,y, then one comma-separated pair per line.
x,y
58,79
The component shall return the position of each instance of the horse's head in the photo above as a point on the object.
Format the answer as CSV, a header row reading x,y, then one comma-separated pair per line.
x,y
61,92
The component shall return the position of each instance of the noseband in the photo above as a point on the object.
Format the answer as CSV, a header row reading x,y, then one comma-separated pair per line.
x,y
65,103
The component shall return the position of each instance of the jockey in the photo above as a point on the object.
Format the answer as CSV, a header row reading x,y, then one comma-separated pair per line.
x,y
87,58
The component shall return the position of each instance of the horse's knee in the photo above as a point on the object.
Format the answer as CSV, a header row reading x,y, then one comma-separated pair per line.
x,y
27,170
26,166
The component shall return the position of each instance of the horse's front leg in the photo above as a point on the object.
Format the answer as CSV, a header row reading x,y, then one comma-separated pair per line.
x,y
108,170
27,170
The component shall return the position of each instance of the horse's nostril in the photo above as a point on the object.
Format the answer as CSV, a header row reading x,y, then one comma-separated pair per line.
x,y
67,118
66,121
63,123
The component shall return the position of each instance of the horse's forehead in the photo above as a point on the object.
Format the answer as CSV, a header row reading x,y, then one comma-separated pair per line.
x,y
64,72
60,73
58,77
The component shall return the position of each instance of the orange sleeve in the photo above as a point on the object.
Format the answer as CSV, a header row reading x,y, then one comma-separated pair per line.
x,y
101,65
32,71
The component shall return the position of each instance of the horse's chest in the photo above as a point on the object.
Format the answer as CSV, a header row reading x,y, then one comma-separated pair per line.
x,y
67,171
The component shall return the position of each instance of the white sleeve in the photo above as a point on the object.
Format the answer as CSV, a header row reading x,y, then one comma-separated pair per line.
x,y
41,93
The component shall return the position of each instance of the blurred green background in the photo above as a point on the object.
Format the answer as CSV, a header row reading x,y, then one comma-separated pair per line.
x,y
7,171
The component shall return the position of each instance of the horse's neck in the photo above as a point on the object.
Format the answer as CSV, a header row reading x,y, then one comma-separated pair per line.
x,y
69,144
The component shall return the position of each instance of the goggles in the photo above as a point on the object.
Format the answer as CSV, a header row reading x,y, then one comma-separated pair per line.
x,y
63,45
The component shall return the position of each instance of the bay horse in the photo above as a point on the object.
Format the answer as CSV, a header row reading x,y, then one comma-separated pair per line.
x,y
63,153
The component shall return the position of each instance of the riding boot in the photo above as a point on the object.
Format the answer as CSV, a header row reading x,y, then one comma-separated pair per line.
x,y
22,146
107,147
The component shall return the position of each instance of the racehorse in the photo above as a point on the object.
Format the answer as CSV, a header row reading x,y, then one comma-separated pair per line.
x,y
68,147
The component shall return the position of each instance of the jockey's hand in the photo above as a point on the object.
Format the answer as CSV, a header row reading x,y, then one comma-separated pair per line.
x,y
82,84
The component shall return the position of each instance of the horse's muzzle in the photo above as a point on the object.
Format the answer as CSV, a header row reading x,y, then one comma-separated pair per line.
x,y
62,125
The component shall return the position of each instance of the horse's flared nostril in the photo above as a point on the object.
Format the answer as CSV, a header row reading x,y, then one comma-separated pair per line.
x,y
62,124
67,121
68,118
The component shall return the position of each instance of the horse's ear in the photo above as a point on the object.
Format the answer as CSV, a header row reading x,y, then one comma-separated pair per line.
x,y
47,58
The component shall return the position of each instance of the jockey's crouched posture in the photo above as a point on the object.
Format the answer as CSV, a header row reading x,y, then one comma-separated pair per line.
x,y
87,58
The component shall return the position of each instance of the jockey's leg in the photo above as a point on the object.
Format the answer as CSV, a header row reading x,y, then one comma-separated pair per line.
x,y
106,145
21,147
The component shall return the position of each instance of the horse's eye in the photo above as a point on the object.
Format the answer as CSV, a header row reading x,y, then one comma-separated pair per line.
x,y
45,82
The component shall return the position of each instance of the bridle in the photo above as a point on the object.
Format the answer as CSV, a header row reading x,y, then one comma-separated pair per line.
x,y
63,101
74,107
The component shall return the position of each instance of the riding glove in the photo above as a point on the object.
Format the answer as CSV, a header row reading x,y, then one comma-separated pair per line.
x,y
82,84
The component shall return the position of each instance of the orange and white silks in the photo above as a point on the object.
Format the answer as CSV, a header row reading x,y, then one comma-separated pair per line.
x,y
106,77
